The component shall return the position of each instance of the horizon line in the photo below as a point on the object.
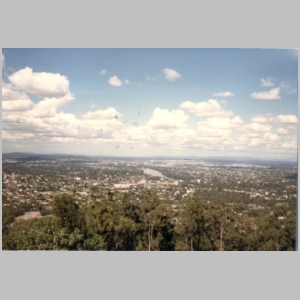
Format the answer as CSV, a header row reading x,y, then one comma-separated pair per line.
x,y
164,156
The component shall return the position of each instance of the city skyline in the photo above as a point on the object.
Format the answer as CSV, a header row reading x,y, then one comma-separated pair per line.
x,y
151,102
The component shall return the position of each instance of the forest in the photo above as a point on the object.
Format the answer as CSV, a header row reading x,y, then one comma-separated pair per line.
x,y
149,225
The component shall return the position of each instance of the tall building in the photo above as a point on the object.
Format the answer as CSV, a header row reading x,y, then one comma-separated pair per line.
x,y
13,176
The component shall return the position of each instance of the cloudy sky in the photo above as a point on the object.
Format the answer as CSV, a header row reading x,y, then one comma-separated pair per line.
x,y
148,102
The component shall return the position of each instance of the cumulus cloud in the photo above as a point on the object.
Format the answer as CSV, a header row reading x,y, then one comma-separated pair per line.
x,y
270,137
282,131
279,120
206,131
14,100
250,135
210,108
256,142
44,122
285,119
267,82
41,84
222,123
56,124
255,127
49,107
115,81
291,127
109,113
219,127
270,95
17,136
171,75
127,81
236,121
103,72
267,118
223,94
17,105
163,118
9,94
289,145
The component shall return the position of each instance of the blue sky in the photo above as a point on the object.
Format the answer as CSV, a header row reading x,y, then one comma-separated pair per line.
x,y
144,102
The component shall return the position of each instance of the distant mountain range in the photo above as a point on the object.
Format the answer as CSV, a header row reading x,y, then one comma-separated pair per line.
x,y
37,156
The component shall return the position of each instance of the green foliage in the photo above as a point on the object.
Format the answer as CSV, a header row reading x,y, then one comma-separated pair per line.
x,y
7,219
107,220
41,234
149,224
67,212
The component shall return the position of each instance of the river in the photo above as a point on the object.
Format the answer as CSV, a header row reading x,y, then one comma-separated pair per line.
x,y
155,173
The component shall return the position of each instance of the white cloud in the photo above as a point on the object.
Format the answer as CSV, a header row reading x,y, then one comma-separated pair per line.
x,y
291,127
40,84
211,108
222,123
256,142
167,130
285,119
282,131
248,135
236,121
14,100
171,75
267,118
17,105
206,131
163,118
270,95
9,94
103,72
49,107
270,137
219,127
109,113
267,82
255,127
280,119
289,145
17,136
224,94
115,81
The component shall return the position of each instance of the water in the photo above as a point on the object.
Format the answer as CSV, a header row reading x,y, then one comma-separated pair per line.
x,y
154,173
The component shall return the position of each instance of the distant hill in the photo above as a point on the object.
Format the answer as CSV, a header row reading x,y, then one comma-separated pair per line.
x,y
214,159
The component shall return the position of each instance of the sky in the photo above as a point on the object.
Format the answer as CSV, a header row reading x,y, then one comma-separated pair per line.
x,y
151,102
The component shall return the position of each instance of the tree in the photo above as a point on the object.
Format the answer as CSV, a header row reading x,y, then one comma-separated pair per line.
x,y
191,228
41,234
67,211
156,230
7,219
287,238
107,220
